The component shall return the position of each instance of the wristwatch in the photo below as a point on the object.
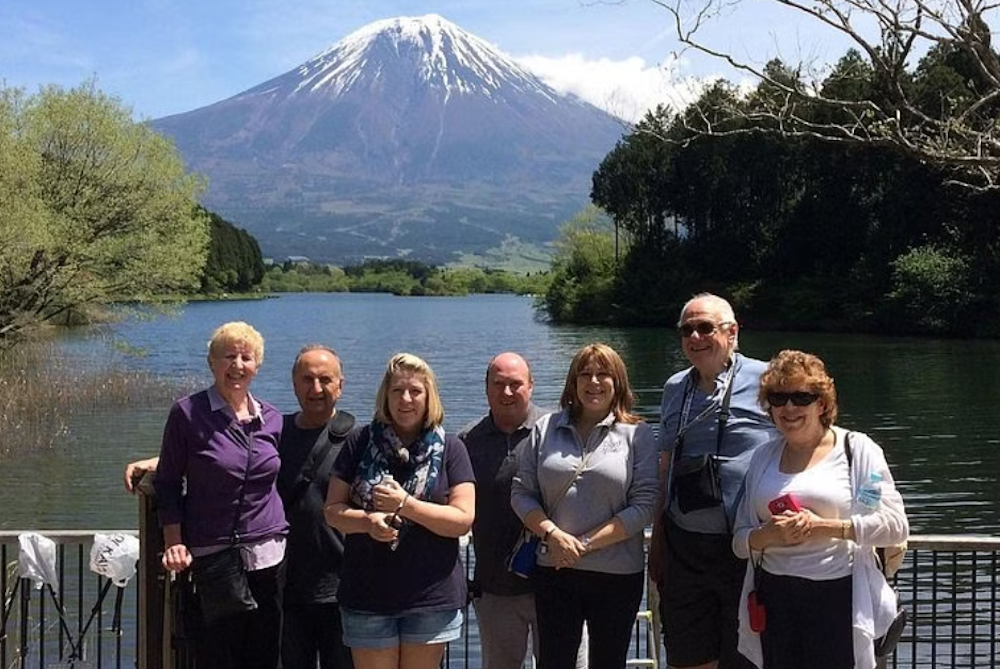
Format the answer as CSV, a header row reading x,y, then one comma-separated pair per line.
x,y
585,540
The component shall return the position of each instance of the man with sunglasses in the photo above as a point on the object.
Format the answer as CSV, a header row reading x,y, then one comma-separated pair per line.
x,y
710,425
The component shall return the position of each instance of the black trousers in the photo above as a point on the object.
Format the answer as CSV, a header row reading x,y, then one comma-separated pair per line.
x,y
314,630
249,640
809,623
564,599
699,595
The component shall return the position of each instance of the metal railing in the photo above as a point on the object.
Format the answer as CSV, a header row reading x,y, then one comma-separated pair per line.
x,y
947,583
84,622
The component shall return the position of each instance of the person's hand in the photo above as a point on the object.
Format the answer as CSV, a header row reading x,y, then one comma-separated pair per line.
x,y
793,527
379,529
565,550
176,558
388,496
135,470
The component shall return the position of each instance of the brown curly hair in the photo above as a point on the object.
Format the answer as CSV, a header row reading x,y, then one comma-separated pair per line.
x,y
794,370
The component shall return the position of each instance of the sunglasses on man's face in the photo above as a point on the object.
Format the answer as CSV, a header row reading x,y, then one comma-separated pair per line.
x,y
799,399
703,328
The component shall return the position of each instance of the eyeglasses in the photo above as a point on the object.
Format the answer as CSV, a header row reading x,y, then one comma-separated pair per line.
x,y
799,399
703,328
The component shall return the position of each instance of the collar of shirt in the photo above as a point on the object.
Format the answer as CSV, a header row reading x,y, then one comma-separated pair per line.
x,y
217,403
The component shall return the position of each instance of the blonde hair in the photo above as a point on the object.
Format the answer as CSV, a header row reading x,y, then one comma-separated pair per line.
x,y
407,363
608,359
236,332
795,369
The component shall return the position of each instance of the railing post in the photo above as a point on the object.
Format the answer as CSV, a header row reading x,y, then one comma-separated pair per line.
x,y
154,638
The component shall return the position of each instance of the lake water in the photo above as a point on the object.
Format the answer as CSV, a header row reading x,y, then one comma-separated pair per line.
x,y
929,403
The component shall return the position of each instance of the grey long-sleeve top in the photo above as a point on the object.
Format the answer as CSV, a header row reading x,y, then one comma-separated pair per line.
x,y
619,480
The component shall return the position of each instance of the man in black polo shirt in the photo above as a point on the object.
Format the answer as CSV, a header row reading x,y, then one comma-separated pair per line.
x,y
505,605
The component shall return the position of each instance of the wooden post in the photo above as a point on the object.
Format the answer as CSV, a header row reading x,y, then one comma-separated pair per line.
x,y
154,620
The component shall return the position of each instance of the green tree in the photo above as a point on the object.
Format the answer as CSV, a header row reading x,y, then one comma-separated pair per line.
x,y
583,271
930,288
111,211
234,261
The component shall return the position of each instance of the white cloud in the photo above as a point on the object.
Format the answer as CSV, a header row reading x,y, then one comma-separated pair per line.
x,y
625,88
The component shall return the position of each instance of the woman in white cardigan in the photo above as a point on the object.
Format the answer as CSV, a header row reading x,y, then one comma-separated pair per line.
x,y
810,541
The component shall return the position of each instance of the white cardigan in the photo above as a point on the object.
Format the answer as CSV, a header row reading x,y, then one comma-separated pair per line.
x,y
874,599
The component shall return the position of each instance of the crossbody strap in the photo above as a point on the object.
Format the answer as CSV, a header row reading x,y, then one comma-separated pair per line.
x,y
247,441
318,461
576,475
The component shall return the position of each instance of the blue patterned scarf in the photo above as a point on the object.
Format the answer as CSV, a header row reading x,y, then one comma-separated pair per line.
x,y
422,462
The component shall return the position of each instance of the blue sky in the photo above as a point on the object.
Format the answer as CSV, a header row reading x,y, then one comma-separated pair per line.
x,y
163,57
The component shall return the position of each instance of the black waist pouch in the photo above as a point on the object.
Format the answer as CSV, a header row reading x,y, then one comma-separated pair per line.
x,y
697,483
220,580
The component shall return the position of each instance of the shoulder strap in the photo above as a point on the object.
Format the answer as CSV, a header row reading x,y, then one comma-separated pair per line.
x,y
550,428
724,411
336,429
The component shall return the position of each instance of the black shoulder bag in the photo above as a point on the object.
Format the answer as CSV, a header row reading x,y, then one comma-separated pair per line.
x,y
697,479
220,579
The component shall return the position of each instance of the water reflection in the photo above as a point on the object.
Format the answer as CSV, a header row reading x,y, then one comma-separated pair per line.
x,y
928,403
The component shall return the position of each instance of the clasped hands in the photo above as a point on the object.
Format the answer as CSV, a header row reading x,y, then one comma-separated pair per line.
x,y
388,499
565,550
793,527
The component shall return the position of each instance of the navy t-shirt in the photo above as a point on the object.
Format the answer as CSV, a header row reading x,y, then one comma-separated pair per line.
x,y
425,572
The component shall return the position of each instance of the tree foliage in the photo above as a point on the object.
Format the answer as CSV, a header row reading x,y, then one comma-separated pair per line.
x,y
93,206
799,232
942,113
399,277
582,289
234,262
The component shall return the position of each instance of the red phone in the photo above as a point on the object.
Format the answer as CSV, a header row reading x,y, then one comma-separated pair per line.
x,y
786,502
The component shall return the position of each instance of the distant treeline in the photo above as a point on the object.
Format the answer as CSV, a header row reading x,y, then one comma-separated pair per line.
x,y
399,277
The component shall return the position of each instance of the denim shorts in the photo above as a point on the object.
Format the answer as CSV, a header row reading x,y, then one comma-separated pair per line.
x,y
376,631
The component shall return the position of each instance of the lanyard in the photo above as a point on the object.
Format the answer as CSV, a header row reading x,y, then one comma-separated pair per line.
x,y
684,425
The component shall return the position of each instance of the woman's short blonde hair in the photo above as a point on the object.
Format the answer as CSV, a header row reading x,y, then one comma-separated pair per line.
x,y
236,332
407,363
795,370
607,358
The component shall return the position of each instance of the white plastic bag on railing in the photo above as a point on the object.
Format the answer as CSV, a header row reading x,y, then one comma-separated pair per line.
x,y
114,556
36,560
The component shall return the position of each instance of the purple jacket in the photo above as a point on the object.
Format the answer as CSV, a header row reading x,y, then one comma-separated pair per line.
x,y
205,444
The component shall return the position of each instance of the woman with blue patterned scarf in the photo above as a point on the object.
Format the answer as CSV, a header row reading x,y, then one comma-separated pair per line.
x,y
402,492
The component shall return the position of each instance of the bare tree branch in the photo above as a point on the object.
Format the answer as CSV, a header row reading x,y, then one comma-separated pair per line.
x,y
960,133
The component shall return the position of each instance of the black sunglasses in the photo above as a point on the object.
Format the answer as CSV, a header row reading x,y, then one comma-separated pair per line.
x,y
799,399
704,328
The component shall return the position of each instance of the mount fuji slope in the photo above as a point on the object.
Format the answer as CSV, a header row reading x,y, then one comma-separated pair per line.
x,y
409,137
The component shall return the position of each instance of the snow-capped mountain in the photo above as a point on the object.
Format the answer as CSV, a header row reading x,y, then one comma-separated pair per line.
x,y
408,137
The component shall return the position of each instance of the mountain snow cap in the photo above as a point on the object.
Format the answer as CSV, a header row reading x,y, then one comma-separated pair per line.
x,y
443,54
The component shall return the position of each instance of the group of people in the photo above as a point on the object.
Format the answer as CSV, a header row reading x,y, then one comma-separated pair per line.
x,y
348,535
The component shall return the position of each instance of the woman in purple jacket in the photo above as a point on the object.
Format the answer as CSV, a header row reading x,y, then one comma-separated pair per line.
x,y
222,443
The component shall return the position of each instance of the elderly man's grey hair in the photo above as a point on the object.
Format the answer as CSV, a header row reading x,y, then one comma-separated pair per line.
x,y
718,305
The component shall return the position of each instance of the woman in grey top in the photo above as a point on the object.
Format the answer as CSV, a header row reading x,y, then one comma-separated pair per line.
x,y
587,485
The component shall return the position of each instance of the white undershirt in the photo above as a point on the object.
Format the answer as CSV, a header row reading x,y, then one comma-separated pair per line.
x,y
825,489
